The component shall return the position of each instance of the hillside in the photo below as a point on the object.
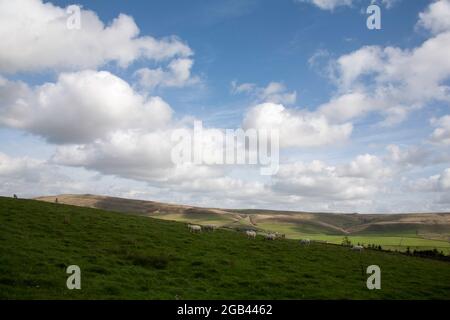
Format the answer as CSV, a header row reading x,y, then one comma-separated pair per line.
x,y
392,231
134,257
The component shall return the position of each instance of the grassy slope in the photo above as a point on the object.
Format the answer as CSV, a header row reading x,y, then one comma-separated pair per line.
x,y
124,256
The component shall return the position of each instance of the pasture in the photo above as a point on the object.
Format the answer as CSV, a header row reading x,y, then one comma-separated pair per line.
x,y
387,240
134,257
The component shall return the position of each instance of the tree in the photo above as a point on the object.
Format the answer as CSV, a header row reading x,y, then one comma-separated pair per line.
x,y
346,242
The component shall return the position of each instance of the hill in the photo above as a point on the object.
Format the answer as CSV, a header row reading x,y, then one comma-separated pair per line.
x,y
392,231
135,257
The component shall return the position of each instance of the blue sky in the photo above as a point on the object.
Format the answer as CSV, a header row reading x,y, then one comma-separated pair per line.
x,y
373,104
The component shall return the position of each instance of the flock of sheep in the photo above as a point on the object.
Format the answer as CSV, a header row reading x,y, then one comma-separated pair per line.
x,y
251,234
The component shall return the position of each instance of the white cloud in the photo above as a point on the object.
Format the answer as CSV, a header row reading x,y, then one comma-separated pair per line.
x,y
177,74
411,156
35,37
351,67
390,81
347,107
444,180
275,92
365,166
328,4
388,3
131,154
333,4
79,107
24,168
297,128
242,88
435,183
26,176
317,180
441,134
436,17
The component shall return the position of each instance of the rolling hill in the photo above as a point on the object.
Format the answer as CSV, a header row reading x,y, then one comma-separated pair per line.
x,y
135,257
392,231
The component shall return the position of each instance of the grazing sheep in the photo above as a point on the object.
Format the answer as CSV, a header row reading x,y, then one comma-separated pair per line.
x,y
194,228
270,236
305,242
209,227
357,248
280,235
250,234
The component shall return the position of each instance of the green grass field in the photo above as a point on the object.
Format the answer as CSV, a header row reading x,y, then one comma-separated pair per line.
x,y
387,240
132,257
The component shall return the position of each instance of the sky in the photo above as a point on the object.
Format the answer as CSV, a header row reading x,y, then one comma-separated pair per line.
x,y
362,115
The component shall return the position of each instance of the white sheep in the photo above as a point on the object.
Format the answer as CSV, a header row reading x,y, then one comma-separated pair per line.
x,y
357,248
210,227
250,234
305,242
270,236
280,235
194,228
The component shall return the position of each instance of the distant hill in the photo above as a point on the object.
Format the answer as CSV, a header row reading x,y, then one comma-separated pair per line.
x,y
134,257
306,222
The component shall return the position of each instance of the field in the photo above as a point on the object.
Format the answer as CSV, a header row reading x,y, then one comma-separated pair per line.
x,y
135,257
388,241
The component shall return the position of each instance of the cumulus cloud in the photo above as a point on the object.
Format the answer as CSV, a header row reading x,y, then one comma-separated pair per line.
x,y
365,166
35,37
27,176
177,74
435,183
354,181
390,81
411,156
24,168
79,107
441,135
296,128
348,106
131,154
274,92
436,17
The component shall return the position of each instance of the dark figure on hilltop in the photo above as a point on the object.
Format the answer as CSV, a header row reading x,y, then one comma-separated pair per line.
x,y
56,200
15,196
